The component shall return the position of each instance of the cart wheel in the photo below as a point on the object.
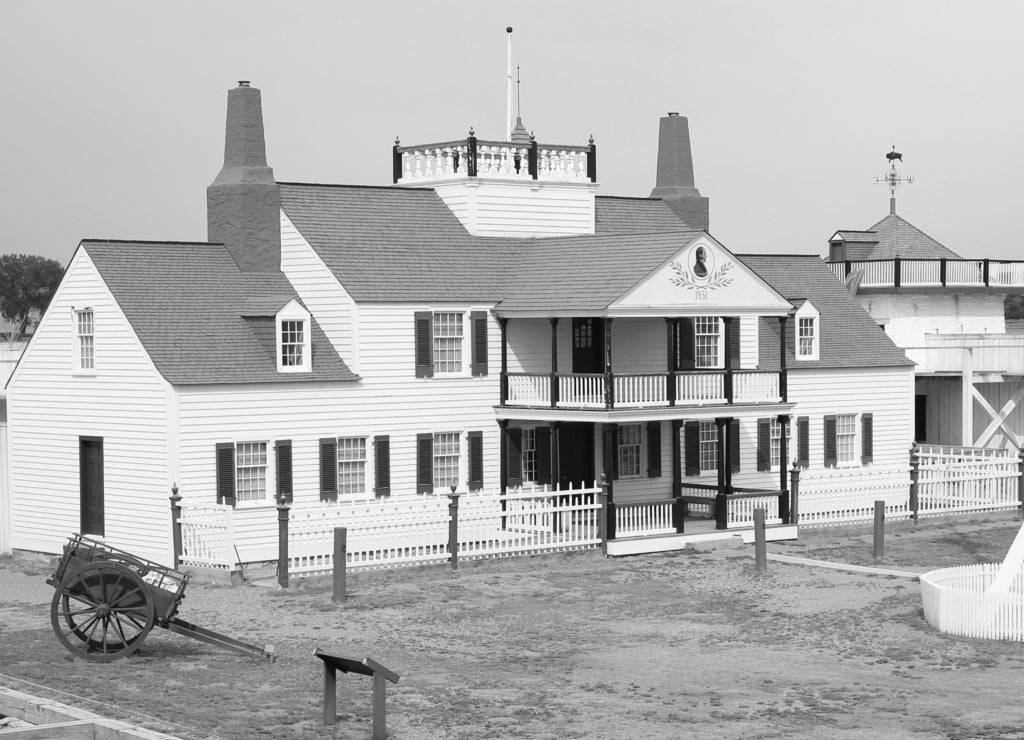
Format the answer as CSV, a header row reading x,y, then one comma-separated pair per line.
x,y
102,612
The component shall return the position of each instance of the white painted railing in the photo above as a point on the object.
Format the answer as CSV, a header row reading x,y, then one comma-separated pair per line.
x,y
562,164
207,536
741,510
644,518
581,391
989,352
494,159
700,388
920,272
966,479
965,272
929,273
640,390
956,602
874,273
1006,274
750,387
528,389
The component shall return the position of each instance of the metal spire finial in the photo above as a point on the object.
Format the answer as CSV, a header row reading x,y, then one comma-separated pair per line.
x,y
892,178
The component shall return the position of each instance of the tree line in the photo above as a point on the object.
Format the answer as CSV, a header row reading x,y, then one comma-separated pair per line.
x,y
27,283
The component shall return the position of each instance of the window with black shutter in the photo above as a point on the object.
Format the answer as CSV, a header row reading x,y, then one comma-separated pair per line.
x,y
226,473
424,463
478,320
830,441
803,428
515,457
734,343
542,439
329,469
764,444
686,358
691,448
867,438
382,465
654,449
283,455
475,441
424,340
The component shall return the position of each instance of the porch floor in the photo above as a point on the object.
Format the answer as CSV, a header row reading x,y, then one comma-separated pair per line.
x,y
696,530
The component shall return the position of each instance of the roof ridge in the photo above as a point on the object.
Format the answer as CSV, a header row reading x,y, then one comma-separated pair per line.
x,y
151,241
403,188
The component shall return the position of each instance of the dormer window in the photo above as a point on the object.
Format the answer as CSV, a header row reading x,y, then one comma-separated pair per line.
x,y
807,334
293,345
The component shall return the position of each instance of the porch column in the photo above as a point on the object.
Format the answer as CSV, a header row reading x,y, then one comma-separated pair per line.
x,y
672,344
611,450
609,378
724,473
556,442
727,364
554,362
503,455
967,399
503,323
677,459
783,477
783,380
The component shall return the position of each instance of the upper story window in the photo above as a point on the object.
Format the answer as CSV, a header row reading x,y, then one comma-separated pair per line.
x,y
293,333
807,332
629,450
706,337
85,327
446,459
775,447
529,455
708,446
442,345
447,342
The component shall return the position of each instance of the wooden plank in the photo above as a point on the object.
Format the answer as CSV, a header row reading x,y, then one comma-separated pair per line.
x,y
77,730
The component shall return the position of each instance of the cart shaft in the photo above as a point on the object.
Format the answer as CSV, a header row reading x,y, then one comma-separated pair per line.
x,y
215,638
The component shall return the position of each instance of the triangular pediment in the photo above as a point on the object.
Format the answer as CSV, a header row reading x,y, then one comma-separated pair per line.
x,y
703,277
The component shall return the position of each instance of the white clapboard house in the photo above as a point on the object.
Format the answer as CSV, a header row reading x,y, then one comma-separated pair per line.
x,y
489,321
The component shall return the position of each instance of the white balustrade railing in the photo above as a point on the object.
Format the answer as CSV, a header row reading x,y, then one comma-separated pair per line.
x,y
929,273
741,510
528,389
640,390
562,164
700,388
581,391
448,160
644,518
751,387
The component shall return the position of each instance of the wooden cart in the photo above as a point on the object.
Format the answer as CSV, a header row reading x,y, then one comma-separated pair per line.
x,y
107,601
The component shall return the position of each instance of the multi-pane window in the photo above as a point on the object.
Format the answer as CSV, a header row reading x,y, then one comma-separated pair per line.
x,y
775,438
446,459
351,465
629,450
846,437
292,342
250,471
85,328
706,332
447,342
529,442
805,327
708,446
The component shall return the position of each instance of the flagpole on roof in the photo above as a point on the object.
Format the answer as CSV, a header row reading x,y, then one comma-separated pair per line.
x,y
508,89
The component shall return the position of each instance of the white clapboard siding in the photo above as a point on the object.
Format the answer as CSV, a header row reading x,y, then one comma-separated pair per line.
x,y
124,401
320,291
909,317
521,209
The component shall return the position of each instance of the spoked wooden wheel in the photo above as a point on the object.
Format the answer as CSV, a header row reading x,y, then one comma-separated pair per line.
x,y
102,612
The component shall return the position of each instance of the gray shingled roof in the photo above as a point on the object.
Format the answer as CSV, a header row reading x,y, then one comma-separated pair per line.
x,y
899,238
849,337
858,237
615,215
185,302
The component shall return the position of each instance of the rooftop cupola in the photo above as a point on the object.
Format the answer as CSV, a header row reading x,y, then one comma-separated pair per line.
x,y
243,204
674,183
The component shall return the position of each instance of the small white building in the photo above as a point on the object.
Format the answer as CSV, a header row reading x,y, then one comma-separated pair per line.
x,y
487,321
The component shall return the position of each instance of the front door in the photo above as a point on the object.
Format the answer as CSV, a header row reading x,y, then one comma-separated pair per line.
x,y
90,465
588,345
576,455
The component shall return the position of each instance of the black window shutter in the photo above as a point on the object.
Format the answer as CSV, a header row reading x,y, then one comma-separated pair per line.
x,y
830,441
476,460
611,449
734,444
515,457
654,449
382,465
424,463
424,322
478,320
226,473
867,438
691,448
542,438
329,469
686,344
803,431
283,453
734,343
764,444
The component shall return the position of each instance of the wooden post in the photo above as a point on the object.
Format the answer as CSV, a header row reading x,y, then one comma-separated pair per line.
x,y
471,154
503,324
380,724
176,523
554,362
340,563
606,521
1020,483
609,376
783,376
915,476
722,497
794,490
760,549
453,527
531,158
673,354
878,550
330,694
396,162
727,330
984,271
783,454
592,161
282,540
896,272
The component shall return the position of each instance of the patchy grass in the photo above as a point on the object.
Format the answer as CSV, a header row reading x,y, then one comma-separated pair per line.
x,y
690,644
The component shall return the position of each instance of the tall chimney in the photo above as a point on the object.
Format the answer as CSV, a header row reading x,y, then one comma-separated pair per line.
x,y
243,204
674,183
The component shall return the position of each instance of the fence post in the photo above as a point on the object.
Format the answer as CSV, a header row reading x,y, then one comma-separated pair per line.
x,y
282,540
1020,483
794,491
340,563
878,550
678,514
606,521
453,527
760,550
915,476
176,523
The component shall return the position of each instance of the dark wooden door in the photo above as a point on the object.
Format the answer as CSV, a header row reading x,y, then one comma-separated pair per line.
x,y
576,455
90,464
920,418
588,345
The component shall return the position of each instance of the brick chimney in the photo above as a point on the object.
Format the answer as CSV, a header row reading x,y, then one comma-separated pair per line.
x,y
674,183
243,204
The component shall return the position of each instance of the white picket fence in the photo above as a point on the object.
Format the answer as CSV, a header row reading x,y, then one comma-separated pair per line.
x,y
831,496
956,602
207,536
966,479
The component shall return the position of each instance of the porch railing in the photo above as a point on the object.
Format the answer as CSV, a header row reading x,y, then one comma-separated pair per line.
x,y
642,390
898,272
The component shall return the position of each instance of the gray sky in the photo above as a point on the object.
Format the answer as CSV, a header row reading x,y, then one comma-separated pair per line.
x,y
113,117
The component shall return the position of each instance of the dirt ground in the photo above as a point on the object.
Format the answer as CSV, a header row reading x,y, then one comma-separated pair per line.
x,y
691,644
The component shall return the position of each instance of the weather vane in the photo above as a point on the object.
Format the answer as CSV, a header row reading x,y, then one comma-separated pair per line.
x,y
892,178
